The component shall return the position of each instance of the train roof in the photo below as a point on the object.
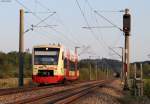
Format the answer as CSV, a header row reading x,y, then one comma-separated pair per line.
x,y
49,46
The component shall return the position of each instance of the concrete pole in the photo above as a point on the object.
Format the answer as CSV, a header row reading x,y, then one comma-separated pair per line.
x,y
89,67
122,71
90,72
141,67
76,60
126,65
135,90
107,72
21,49
127,50
134,71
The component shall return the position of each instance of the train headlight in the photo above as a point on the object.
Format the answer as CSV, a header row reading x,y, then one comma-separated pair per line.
x,y
55,71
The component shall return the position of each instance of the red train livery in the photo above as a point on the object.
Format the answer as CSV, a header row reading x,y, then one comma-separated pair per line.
x,y
52,64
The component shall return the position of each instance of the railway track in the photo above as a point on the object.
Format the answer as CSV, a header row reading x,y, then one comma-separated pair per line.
x,y
64,96
9,91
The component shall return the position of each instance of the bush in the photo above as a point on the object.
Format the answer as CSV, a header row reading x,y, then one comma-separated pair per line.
x,y
147,88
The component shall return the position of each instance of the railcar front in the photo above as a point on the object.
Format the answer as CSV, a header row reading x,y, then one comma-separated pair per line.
x,y
47,64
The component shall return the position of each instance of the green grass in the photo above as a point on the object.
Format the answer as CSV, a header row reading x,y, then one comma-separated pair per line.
x,y
85,74
13,82
147,87
128,99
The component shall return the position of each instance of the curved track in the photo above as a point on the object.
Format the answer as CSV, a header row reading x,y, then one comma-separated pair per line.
x,y
9,91
64,96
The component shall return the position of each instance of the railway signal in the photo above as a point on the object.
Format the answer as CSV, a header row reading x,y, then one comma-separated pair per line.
x,y
126,21
126,30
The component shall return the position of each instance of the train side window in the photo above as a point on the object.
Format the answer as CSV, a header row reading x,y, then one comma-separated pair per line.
x,y
65,63
77,65
72,65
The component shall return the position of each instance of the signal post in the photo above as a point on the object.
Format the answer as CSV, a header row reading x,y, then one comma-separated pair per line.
x,y
126,30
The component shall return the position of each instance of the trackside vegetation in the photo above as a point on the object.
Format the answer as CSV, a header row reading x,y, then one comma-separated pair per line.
x,y
9,64
89,68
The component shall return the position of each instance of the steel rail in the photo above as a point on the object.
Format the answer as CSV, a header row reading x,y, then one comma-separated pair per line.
x,y
9,91
25,89
68,98
34,100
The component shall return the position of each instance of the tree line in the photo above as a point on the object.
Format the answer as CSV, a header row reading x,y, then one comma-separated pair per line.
x,y
9,63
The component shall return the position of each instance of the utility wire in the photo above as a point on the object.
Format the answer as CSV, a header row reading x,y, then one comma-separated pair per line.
x,y
103,16
98,27
109,46
107,21
42,5
35,9
97,38
44,26
87,21
34,14
41,12
106,43
89,25
111,11
40,22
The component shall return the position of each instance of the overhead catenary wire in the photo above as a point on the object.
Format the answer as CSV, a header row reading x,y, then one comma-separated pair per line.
x,y
113,25
43,6
106,43
91,28
76,41
111,11
86,21
39,12
92,32
110,23
103,43
107,20
53,28
34,14
97,38
98,27
35,9
40,22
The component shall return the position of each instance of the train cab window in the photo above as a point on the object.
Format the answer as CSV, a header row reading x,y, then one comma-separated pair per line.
x,y
44,56
65,63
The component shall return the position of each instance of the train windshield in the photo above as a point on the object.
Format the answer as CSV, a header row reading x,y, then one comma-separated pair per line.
x,y
46,56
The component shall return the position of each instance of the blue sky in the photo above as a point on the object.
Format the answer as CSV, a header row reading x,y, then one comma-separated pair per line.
x,y
69,22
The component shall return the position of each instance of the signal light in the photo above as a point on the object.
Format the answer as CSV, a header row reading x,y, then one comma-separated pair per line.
x,y
126,23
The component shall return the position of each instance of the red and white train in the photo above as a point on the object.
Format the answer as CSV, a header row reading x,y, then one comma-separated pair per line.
x,y
54,64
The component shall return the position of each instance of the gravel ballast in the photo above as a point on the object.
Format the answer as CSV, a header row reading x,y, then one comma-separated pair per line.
x,y
108,94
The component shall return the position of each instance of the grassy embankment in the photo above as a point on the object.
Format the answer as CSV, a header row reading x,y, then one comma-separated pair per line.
x,y
84,75
130,99
13,82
